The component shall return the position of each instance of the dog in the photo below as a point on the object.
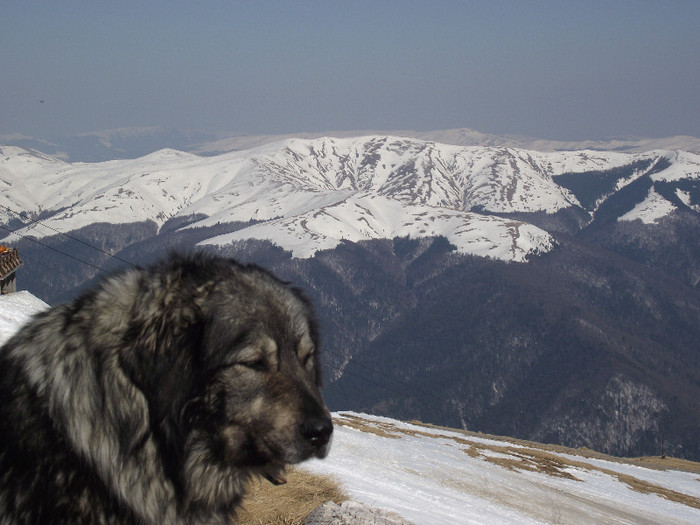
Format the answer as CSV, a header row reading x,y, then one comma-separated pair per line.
x,y
154,397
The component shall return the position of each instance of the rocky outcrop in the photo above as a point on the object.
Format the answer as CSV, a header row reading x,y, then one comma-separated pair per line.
x,y
352,513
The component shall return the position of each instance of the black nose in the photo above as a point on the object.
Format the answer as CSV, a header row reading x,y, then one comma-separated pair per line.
x,y
317,430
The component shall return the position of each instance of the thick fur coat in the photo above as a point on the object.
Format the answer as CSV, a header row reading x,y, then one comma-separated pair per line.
x,y
153,398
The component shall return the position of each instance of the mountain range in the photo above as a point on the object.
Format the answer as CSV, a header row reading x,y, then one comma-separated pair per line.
x,y
549,295
134,142
308,195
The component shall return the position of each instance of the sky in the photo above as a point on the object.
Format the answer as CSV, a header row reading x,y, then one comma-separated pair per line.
x,y
566,70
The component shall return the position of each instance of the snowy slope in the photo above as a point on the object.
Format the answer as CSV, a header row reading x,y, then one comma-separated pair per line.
x,y
308,195
437,476
15,310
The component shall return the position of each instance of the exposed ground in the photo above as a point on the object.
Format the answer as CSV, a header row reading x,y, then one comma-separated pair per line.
x,y
288,504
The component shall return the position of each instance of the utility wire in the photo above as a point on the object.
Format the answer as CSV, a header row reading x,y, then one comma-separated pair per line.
x,y
33,221
54,249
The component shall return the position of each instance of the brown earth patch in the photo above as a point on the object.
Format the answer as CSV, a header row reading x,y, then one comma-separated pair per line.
x,y
288,504
374,427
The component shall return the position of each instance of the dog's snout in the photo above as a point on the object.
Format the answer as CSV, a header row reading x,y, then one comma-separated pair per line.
x,y
317,430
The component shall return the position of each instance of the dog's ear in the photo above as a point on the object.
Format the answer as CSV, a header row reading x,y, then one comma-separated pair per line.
x,y
118,438
162,355
176,359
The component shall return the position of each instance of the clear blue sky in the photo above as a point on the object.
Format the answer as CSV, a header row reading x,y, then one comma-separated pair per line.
x,y
552,69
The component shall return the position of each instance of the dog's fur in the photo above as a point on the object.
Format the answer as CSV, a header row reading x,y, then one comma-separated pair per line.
x,y
153,398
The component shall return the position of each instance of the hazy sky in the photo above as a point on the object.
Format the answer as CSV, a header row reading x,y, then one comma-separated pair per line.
x,y
559,69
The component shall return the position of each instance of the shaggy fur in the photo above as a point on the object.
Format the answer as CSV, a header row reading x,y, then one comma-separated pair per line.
x,y
153,398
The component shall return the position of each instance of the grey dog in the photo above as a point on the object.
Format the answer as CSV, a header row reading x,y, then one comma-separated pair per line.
x,y
154,397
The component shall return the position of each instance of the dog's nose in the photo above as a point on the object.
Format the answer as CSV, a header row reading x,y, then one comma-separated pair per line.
x,y
317,430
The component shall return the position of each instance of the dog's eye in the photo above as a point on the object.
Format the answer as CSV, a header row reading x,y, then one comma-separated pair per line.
x,y
308,360
259,364
259,355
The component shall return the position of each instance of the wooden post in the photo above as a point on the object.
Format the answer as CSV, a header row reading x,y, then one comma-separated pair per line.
x,y
663,445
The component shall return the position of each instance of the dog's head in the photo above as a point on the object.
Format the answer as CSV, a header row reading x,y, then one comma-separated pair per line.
x,y
257,405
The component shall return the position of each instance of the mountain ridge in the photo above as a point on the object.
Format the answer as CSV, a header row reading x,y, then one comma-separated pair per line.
x,y
307,195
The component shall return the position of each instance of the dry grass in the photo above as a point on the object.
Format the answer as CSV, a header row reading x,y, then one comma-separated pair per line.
x,y
375,427
288,504
649,488
668,463
532,460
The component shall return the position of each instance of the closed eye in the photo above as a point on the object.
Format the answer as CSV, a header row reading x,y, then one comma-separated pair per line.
x,y
308,360
259,364
259,355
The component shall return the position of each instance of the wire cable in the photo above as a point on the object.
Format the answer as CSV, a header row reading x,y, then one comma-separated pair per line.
x,y
54,249
34,221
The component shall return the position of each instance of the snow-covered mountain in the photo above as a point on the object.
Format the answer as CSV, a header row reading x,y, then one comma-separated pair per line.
x,y
433,476
309,195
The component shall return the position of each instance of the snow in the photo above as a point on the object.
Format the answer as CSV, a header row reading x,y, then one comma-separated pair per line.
x,y
683,165
15,310
650,210
311,194
436,476
433,476
364,217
